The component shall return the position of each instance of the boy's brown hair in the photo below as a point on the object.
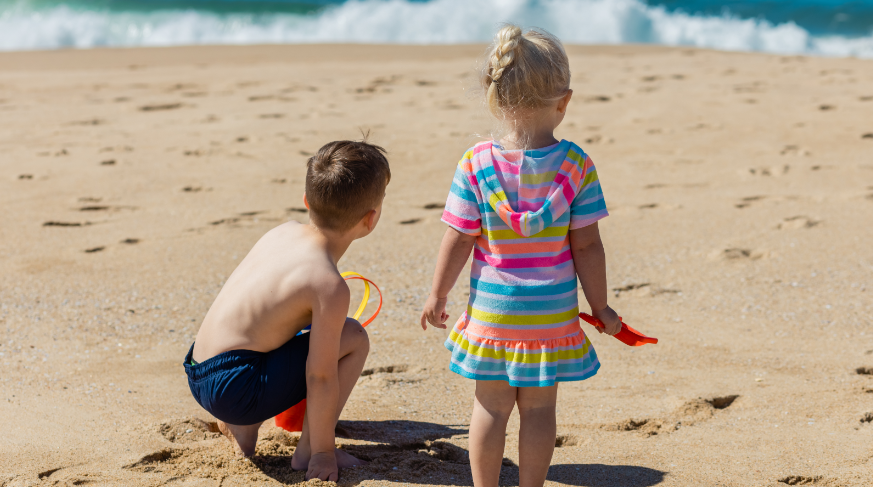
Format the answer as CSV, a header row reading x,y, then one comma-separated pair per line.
x,y
344,181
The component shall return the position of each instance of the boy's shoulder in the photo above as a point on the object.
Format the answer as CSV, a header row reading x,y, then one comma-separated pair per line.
x,y
299,250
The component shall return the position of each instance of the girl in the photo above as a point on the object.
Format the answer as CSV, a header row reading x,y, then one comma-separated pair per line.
x,y
527,205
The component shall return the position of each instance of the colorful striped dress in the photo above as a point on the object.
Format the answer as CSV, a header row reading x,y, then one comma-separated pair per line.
x,y
521,323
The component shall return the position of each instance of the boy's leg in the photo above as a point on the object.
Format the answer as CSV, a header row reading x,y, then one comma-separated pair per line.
x,y
354,347
536,440
243,438
491,409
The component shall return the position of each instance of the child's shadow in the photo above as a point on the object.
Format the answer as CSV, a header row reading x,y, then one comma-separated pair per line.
x,y
410,451
594,475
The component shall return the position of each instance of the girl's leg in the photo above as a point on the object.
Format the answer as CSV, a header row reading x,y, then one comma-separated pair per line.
x,y
536,440
491,409
354,348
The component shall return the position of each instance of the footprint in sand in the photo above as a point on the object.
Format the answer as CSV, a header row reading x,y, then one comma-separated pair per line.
x,y
748,200
769,171
864,371
794,150
25,176
630,287
388,369
562,441
65,224
796,222
740,254
160,107
296,210
801,480
95,249
130,241
434,206
410,221
108,162
868,135
688,414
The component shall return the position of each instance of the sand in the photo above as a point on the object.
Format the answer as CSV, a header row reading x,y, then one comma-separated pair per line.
x,y
740,188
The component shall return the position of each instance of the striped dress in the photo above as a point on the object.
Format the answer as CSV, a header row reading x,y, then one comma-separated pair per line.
x,y
521,323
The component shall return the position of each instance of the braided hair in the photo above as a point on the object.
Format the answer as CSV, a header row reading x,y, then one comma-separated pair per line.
x,y
524,71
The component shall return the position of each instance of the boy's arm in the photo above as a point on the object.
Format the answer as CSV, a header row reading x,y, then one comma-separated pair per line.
x,y
454,251
590,261
322,382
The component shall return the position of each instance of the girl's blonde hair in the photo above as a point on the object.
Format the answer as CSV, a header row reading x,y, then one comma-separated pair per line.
x,y
524,71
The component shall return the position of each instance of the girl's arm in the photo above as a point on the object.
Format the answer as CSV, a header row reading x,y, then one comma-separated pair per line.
x,y
590,261
454,251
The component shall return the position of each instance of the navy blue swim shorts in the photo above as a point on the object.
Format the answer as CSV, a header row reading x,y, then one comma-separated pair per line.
x,y
243,387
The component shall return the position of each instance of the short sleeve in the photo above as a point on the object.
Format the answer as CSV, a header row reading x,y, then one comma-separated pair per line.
x,y
588,205
462,206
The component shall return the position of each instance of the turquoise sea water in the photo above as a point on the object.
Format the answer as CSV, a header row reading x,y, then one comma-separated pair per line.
x,y
820,27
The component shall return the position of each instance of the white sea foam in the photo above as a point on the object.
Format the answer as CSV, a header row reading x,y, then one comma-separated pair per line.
x,y
402,21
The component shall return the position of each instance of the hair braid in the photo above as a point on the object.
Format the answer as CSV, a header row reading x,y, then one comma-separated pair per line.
x,y
523,71
507,41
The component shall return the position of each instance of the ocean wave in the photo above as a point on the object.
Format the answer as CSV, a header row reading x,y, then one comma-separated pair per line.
x,y
408,22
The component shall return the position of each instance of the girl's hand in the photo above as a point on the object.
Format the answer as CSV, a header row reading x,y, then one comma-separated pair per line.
x,y
434,312
610,320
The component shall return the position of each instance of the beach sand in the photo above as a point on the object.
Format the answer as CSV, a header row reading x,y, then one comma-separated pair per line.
x,y
740,188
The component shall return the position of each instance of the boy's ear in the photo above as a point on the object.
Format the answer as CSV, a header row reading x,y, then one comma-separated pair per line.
x,y
371,220
305,203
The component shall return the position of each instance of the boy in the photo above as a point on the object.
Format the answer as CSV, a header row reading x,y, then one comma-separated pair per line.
x,y
247,363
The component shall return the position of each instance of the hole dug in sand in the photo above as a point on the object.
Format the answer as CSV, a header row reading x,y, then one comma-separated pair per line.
x,y
688,414
189,430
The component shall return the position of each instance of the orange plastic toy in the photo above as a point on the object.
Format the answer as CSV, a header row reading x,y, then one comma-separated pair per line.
x,y
627,335
292,419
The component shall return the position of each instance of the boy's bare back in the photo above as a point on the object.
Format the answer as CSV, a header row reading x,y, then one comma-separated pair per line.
x,y
269,298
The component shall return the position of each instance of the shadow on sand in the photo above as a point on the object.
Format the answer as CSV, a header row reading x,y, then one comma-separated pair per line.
x,y
411,451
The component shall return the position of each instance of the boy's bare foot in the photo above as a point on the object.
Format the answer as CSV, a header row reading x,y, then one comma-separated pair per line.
x,y
346,460
243,438
300,459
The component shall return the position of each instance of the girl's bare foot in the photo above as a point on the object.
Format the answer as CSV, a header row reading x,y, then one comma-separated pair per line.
x,y
243,438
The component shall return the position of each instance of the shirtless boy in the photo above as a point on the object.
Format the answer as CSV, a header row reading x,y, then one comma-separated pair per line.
x,y
248,362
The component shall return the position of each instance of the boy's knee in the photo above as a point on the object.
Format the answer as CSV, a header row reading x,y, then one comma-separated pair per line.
x,y
357,333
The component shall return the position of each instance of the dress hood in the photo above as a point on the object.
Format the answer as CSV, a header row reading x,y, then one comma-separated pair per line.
x,y
558,193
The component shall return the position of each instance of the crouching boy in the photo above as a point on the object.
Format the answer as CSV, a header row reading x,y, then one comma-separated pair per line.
x,y
248,362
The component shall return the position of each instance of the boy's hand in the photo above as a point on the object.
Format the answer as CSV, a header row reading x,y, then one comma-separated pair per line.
x,y
322,466
434,312
610,320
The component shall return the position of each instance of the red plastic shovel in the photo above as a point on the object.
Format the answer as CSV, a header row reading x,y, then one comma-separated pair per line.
x,y
627,335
